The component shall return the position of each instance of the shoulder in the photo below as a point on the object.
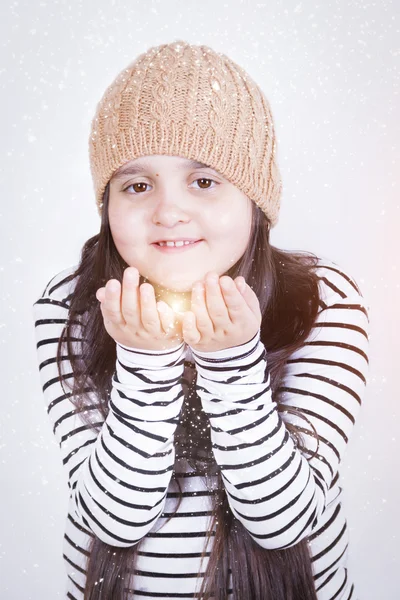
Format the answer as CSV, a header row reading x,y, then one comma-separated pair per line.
x,y
336,284
59,289
51,314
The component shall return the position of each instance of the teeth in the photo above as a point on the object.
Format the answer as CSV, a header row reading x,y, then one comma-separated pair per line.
x,y
180,243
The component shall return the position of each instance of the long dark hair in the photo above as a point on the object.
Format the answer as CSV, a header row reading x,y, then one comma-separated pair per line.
x,y
287,288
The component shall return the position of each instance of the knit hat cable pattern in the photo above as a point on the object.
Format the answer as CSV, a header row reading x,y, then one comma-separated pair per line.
x,y
189,101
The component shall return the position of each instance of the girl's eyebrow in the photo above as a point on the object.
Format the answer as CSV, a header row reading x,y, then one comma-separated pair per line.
x,y
139,167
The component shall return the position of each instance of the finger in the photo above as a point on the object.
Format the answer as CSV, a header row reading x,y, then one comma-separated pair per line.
x,y
250,297
100,294
199,308
190,333
240,284
216,306
166,316
111,307
238,309
148,309
130,297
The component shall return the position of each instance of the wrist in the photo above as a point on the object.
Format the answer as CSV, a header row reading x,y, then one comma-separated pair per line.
x,y
226,354
139,357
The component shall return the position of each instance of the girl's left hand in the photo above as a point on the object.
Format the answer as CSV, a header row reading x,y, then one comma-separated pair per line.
x,y
221,316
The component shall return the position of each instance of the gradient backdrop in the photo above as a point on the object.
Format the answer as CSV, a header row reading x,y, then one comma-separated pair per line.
x,y
331,73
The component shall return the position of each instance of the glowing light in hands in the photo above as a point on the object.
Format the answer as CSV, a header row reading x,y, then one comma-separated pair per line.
x,y
180,302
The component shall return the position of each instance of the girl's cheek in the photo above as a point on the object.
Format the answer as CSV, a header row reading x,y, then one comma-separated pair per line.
x,y
122,224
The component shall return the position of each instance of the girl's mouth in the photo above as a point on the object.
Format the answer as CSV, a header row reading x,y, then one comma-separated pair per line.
x,y
176,249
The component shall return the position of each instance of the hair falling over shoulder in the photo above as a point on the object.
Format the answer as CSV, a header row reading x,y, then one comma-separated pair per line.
x,y
287,289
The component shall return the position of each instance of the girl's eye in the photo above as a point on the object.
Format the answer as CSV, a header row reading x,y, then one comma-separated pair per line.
x,y
205,179
142,183
133,184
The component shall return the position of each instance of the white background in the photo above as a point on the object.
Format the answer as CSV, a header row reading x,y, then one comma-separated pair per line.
x,y
331,73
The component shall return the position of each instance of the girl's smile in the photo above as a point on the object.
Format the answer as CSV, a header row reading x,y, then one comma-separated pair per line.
x,y
171,248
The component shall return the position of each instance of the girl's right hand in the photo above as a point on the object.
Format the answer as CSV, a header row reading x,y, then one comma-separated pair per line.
x,y
133,318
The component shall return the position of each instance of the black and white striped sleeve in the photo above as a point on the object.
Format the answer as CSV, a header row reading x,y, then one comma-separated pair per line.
x,y
275,489
118,478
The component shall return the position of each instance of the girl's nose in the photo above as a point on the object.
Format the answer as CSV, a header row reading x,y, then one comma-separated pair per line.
x,y
169,210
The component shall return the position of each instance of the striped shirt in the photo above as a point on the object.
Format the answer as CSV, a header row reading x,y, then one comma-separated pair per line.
x,y
121,480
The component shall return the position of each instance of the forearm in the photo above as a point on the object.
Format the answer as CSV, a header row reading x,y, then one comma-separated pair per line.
x,y
270,486
120,491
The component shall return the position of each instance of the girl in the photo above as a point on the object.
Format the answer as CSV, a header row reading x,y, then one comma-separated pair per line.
x,y
202,393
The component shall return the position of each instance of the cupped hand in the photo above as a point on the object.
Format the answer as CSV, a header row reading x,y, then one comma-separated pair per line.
x,y
224,313
133,318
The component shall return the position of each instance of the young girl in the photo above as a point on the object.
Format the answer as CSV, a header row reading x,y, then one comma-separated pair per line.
x,y
202,393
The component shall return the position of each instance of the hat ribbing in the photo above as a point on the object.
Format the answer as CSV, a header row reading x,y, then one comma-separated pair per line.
x,y
189,101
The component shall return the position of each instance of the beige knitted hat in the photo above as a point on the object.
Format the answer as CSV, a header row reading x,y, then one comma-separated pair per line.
x,y
189,101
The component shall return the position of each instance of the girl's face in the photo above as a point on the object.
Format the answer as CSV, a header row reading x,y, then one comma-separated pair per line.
x,y
163,197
